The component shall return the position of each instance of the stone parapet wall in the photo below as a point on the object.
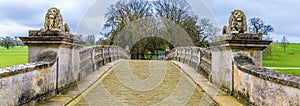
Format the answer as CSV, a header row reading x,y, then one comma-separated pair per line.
x,y
28,83
262,86
196,57
243,77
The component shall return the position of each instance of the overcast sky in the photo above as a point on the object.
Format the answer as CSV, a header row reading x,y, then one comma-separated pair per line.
x,y
19,16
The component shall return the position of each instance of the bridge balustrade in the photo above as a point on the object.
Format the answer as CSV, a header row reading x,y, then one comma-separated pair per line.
x,y
92,58
196,57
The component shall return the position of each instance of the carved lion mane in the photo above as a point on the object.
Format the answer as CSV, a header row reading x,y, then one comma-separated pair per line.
x,y
54,21
237,23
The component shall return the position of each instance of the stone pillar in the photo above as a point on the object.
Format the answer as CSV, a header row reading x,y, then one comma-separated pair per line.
x,y
54,43
234,40
55,46
225,47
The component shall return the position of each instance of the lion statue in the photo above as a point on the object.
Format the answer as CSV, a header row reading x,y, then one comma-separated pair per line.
x,y
237,23
54,21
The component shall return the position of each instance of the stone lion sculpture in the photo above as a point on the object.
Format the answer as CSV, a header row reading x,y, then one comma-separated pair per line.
x,y
54,21
237,23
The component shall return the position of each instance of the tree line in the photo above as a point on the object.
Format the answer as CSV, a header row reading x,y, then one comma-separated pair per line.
x,y
200,30
125,12
9,42
165,16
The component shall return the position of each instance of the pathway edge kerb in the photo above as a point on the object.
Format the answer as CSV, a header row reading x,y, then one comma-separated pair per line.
x,y
213,97
106,68
205,91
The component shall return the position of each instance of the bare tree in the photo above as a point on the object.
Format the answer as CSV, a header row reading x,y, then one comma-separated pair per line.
x,y
123,13
207,31
178,11
175,10
90,40
284,43
256,26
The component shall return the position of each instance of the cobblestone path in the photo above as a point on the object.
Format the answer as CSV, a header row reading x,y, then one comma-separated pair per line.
x,y
143,83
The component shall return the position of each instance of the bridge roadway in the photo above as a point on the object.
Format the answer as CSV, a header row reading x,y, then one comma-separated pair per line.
x,y
143,83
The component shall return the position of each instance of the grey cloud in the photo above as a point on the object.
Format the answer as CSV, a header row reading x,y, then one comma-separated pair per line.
x,y
281,14
20,15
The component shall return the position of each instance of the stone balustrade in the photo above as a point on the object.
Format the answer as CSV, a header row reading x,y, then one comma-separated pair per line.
x,y
92,58
32,82
196,57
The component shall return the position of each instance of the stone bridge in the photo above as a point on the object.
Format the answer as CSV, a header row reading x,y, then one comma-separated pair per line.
x,y
61,72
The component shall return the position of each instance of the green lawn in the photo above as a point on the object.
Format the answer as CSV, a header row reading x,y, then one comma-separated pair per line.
x,y
13,56
291,72
279,58
149,56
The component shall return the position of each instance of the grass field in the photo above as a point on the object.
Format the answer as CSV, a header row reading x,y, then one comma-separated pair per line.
x,y
149,56
13,56
291,72
279,58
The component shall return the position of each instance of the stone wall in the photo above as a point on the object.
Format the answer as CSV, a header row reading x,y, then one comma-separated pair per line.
x,y
263,86
35,82
56,62
241,74
52,44
27,83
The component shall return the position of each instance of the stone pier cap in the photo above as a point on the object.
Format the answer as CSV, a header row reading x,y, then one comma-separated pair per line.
x,y
240,40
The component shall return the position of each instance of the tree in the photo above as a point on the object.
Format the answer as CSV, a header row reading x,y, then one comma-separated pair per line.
x,y
17,41
90,40
258,26
179,12
7,42
102,41
207,31
284,43
121,14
